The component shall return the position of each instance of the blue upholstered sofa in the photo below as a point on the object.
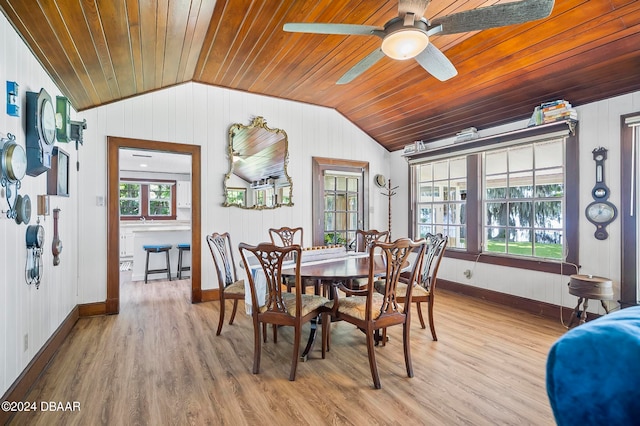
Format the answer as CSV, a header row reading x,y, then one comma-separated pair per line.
x,y
593,372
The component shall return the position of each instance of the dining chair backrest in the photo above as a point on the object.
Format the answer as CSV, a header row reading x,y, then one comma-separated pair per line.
x,y
222,253
397,256
436,245
364,239
270,258
286,236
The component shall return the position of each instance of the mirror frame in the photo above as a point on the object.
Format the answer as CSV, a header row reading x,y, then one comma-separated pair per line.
x,y
257,123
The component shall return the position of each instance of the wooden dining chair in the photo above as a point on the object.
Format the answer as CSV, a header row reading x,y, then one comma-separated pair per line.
x,y
376,307
231,288
286,236
425,280
280,308
364,240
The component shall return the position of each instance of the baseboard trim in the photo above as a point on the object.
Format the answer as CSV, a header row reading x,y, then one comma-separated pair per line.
x,y
92,309
210,294
31,373
528,305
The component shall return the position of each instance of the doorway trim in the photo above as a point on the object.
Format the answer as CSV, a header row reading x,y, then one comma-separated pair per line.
x,y
113,213
319,165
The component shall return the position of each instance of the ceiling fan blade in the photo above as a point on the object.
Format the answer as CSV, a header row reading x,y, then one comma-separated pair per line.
x,y
436,63
361,66
417,7
494,16
320,28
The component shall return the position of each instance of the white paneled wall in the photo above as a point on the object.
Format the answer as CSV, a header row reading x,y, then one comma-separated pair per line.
x,y
197,114
25,310
599,127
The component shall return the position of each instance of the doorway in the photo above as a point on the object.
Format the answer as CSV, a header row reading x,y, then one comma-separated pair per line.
x,y
340,200
155,195
114,145
630,226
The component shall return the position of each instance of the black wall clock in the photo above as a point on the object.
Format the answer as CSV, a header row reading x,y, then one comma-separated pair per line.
x,y
41,132
600,212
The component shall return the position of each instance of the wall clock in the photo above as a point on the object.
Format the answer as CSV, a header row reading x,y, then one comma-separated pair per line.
x,y
380,181
23,209
34,239
41,132
13,162
600,211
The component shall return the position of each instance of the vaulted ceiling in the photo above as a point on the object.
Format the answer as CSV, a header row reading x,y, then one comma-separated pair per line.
x,y
101,51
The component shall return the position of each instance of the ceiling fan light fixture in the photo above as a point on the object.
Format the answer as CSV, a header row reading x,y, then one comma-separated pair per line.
x,y
405,43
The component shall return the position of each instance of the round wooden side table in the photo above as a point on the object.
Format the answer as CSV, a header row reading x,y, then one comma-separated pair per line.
x,y
588,287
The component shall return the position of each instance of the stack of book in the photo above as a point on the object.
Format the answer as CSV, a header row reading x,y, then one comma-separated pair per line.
x,y
549,112
467,134
414,148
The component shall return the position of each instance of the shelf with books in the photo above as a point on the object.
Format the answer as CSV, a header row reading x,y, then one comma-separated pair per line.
x,y
550,112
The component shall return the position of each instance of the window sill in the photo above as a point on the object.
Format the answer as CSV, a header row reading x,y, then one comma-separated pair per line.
x,y
532,264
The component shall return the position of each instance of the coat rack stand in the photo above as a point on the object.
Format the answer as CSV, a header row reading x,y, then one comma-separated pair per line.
x,y
390,192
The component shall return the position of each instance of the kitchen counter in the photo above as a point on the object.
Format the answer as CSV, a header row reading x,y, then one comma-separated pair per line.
x,y
154,225
156,232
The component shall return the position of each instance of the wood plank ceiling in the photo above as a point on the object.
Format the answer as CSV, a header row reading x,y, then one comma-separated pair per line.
x,y
100,51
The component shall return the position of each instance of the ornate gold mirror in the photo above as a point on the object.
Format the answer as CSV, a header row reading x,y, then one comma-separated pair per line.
x,y
257,176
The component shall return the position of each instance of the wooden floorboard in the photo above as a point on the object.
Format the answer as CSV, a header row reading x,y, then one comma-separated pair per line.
x,y
159,362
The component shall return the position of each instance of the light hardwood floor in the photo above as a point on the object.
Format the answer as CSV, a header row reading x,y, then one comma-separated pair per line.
x,y
159,362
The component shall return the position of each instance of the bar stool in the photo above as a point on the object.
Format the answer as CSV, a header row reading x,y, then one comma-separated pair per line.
x,y
157,248
181,248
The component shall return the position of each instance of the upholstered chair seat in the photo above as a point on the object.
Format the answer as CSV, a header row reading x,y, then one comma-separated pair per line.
x,y
355,306
235,288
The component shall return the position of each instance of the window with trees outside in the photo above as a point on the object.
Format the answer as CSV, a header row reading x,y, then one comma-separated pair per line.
x,y
512,203
442,193
130,199
523,200
148,200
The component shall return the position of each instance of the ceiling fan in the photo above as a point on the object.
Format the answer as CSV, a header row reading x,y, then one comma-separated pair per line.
x,y
407,35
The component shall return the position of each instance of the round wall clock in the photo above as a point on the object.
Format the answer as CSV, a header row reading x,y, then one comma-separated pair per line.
x,y
13,160
600,212
35,236
23,209
13,165
47,122
41,132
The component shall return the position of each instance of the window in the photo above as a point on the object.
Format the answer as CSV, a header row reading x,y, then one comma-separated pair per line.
x,y
523,200
237,196
340,208
149,200
511,199
130,199
442,193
